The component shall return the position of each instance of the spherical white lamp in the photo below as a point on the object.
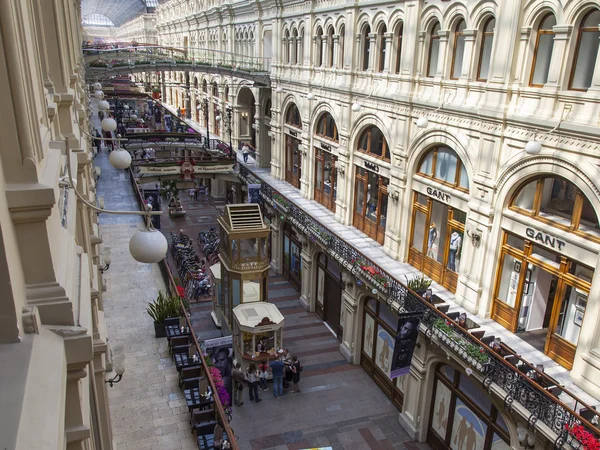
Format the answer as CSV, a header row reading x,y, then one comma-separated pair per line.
x,y
103,105
120,159
199,107
99,95
310,96
279,89
125,106
97,86
533,147
422,122
356,106
148,246
134,117
109,124
218,118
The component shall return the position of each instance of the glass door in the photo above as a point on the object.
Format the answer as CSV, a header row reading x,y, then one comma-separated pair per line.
x,y
293,161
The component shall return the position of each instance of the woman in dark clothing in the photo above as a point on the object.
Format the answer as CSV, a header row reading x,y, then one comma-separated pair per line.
x,y
296,369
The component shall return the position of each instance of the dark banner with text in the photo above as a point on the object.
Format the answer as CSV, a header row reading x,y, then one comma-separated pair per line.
x,y
406,339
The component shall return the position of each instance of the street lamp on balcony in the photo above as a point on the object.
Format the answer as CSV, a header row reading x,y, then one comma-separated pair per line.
x,y
228,125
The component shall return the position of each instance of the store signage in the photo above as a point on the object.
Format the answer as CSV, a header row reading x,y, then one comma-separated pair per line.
x,y
326,147
176,170
545,239
435,193
293,133
371,166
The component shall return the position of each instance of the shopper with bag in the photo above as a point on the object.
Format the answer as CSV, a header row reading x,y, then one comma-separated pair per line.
x,y
238,385
252,379
263,372
296,369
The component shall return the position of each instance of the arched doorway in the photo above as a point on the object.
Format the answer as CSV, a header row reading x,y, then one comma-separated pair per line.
x,y
379,326
463,415
326,141
292,262
440,197
544,276
293,155
245,103
329,293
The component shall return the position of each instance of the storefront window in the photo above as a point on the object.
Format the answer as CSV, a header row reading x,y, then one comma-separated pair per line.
x,y
293,161
370,204
444,166
327,128
558,201
509,281
570,317
325,179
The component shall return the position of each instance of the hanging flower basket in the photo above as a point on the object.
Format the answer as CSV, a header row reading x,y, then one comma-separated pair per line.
x,y
583,436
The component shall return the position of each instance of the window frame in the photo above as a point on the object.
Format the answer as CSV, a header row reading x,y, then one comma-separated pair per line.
x,y
484,36
382,48
385,148
323,122
581,29
540,32
366,48
327,200
382,194
459,164
293,109
398,52
432,38
457,34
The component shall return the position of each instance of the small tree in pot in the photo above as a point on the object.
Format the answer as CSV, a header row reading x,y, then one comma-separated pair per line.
x,y
418,284
165,310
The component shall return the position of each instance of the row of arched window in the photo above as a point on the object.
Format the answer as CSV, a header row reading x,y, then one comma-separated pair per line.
x,y
380,50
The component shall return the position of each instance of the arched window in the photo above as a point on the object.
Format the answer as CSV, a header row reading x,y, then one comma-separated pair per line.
x,y
342,41
204,87
398,43
443,165
286,47
226,93
366,46
268,109
327,128
434,50
373,142
319,49
382,47
459,49
301,48
294,47
293,116
543,51
485,49
215,89
330,47
587,50
558,201
195,82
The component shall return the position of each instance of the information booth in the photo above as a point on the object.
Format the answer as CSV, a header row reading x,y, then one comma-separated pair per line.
x,y
244,261
257,333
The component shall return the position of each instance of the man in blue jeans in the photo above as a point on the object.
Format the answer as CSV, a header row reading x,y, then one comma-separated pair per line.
x,y
277,369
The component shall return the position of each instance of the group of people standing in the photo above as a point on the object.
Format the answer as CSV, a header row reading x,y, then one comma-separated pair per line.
x,y
285,370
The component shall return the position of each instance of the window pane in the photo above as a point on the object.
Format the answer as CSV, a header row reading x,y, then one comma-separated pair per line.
x,y
418,231
383,211
570,318
586,59
319,173
426,164
459,52
525,197
558,200
376,141
464,178
360,197
422,199
509,280
445,166
433,57
467,429
456,241
501,422
515,242
477,395
387,316
486,54
437,231
368,338
384,350
328,173
441,407
499,444
448,372
542,59
589,219
372,197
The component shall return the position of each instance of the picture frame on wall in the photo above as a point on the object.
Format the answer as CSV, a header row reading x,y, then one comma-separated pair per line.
x,y
578,317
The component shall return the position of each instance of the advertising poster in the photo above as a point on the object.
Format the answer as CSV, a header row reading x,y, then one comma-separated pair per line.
x,y
220,351
253,193
404,347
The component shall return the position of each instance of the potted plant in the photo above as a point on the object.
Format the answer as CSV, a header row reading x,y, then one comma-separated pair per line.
x,y
165,310
156,93
418,284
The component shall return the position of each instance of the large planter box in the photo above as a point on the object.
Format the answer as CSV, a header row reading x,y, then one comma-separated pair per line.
x,y
160,329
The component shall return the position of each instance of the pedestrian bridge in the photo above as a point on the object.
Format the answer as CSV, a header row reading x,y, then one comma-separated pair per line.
x,y
107,62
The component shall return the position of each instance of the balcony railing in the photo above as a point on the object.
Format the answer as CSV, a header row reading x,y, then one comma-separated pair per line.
x,y
518,386
245,263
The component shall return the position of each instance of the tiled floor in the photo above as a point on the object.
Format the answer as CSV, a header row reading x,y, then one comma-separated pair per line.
x,y
339,406
147,409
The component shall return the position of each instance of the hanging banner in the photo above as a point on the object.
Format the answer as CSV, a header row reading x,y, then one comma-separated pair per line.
x,y
177,169
406,339
253,193
220,351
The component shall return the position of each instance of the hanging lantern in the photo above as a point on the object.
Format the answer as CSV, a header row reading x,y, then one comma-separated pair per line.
x,y
109,124
148,246
120,159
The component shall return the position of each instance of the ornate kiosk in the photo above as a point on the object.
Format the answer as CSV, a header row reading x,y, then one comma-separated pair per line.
x,y
244,261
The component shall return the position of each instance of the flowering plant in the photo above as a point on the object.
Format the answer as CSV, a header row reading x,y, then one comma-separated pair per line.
x,y
587,439
180,291
220,386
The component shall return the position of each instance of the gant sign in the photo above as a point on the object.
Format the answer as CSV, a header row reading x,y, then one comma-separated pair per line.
x,y
545,239
440,195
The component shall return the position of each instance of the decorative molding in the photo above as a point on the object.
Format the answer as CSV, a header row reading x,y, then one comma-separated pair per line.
x,y
31,320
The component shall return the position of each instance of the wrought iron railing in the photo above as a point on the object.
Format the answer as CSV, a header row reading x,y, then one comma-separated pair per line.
x,y
519,387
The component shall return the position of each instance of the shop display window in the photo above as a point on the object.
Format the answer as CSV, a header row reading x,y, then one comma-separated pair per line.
x,y
370,204
557,201
293,160
443,165
251,341
325,178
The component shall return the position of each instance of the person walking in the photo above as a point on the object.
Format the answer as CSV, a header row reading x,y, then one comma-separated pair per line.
x,y
245,152
238,385
263,369
98,140
252,378
296,369
192,193
277,371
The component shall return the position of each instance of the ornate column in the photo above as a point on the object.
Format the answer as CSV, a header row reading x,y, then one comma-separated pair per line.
x,y
218,188
306,270
441,63
470,36
350,320
343,174
276,250
372,46
336,51
389,51
561,38
324,53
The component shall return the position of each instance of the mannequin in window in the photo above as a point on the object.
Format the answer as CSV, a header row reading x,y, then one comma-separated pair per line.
x,y
455,244
431,240
371,203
